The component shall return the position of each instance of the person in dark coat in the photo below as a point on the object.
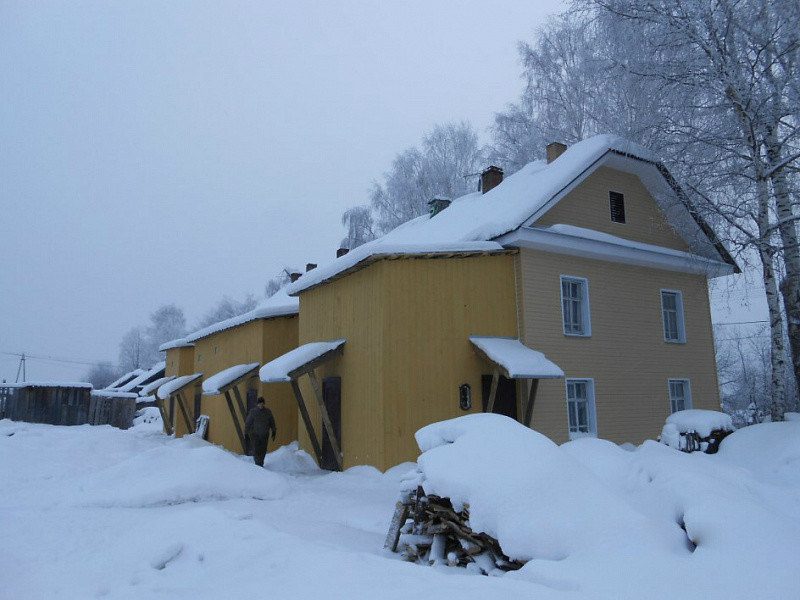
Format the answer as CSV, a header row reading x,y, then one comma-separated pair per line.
x,y
258,425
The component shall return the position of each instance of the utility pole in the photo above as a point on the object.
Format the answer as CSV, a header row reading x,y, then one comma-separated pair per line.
x,y
21,367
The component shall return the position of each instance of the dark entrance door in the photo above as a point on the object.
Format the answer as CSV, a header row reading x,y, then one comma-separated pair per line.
x,y
505,403
332,398
252,398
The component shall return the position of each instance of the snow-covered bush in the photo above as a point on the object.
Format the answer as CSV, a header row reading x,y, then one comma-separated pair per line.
x,y
695,429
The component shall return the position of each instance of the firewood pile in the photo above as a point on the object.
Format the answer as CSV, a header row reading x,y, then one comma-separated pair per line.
x,y
427,530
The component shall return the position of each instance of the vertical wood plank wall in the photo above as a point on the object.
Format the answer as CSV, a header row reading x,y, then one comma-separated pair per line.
x,y
407,324
626,354
351,308
432,307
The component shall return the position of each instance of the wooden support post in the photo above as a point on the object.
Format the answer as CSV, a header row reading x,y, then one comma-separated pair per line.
x,y
236,424
239,401
185,413
493,390
398,520
164,416
326,420
307,420
531,400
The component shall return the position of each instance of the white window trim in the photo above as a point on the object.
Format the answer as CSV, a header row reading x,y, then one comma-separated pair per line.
x,y
681,319
687,389
586,308
575,435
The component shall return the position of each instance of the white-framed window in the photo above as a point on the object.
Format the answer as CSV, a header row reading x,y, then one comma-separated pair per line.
x,y
575,306
581,414
680,394
672,316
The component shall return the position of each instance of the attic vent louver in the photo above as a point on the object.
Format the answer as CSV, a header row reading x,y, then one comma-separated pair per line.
x,y
437,205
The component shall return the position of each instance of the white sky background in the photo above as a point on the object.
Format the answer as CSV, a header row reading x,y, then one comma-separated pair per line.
x,y
155,152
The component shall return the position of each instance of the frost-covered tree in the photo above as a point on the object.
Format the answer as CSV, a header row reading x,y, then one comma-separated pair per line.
x,y
166,323
444,165
132,349
102,374
277,282
227,308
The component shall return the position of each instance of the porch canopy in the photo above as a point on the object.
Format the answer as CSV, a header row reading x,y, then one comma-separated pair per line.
x,y
301,361
514,360
226,382
175,388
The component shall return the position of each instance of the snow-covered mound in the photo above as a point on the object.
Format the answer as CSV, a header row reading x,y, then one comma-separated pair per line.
x,y
550,506
622,523
702,422
770,450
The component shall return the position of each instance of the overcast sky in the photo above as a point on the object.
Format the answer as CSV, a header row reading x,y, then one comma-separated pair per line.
x,y
175,152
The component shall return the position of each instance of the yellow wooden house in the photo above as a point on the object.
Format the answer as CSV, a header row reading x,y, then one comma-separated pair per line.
x,y
228,355
571,296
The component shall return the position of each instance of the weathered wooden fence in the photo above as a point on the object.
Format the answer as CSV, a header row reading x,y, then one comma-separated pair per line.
x,y
68,405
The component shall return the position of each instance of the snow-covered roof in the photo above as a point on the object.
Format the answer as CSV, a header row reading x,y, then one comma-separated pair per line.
x,y
521,199
213,384
519,361
114,394
178,343
280,368
279,304
144,377
124,379
58,384
169,388
151,387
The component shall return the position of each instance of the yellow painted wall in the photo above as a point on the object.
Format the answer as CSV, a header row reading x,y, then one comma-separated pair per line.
x,y
179,362
588,206
255,341
350,308
407,324
626,354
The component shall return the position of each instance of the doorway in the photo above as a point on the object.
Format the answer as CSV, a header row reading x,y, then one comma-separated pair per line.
x,y
505,403
332,399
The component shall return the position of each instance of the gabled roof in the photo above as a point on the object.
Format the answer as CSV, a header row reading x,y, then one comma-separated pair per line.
x,y
524,197
280,304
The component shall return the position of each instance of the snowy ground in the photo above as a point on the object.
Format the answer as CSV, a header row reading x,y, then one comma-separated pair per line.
x,y
98,512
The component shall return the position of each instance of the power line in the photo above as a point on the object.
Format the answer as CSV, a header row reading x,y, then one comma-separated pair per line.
x,y
58,359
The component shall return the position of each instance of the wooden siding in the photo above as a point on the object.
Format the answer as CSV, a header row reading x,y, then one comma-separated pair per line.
x,y
407,324
588,206
626,354
256,341
180,361
350,308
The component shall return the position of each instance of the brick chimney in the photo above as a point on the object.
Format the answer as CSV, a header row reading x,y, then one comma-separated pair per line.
x,y
310,266
491,178
554,150
341,252
437,205
294,277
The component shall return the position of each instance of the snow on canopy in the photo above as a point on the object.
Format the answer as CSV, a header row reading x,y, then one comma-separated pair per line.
x,y
278,370
153,386
516,358
213,384
53,384
169,388
280,304
478,217
124,379
144,377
